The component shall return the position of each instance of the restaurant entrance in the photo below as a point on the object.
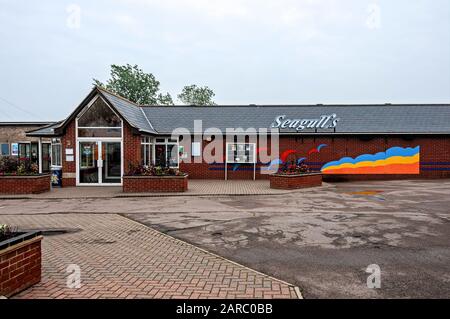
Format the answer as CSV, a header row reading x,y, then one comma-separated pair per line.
x,y
99,163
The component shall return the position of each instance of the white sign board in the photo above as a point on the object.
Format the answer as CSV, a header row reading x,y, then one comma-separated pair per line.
x,y
323,122
196,149
14,149
242,153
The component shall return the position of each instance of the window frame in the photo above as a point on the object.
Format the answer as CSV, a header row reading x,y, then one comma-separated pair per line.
x,y
27,146
168,141
91,104
147,143
56,142
92,156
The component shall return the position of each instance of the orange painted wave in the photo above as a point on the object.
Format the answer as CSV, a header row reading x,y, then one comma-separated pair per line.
x,y
413,168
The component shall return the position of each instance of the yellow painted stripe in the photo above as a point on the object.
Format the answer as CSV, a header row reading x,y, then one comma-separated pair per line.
x,y
391,160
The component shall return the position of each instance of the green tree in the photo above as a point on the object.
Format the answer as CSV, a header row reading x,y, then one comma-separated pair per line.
x,y
195,95
136,85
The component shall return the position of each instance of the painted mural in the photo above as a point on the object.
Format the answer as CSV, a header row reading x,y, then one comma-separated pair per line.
x,y
396,160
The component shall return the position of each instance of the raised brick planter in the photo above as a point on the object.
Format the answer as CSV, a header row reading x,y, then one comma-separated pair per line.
x,y
279,181
33,184
155,184
20,263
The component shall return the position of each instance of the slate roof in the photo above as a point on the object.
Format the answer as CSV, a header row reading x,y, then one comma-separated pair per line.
x,y
47,130
365,119
130,111
354,119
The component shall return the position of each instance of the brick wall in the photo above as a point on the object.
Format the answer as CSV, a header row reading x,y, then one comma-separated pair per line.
x,y
20,266
69,168
132,148
434,156
134,184
17,133
25,184
204,170
295,182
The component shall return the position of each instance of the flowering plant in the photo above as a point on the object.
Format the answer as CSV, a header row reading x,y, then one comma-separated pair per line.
x,y
144,170
293,168
10,165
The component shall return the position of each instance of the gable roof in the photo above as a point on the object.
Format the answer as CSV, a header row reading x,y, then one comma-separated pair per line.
x,y
127,110
353,119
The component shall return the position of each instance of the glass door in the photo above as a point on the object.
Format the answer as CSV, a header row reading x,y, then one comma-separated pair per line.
x,y
111,164
46,157
100,163
88,163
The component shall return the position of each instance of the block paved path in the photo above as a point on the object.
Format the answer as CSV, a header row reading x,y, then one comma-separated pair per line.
x,y
195,188
120,258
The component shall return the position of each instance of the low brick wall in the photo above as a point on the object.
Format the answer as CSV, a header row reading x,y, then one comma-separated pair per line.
x,y
33,184
155,184
20,263
295,181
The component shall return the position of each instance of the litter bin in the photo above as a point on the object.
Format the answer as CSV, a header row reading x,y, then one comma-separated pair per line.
x,y
56,176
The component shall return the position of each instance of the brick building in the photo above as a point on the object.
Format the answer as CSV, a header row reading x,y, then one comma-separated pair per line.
x,y
15,142
107,134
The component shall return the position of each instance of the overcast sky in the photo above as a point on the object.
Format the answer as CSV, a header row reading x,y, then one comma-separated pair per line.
x,y
248,51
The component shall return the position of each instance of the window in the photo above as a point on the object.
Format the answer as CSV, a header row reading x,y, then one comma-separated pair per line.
x,y
87,153
160,155
34,155
99,120
172,155
56,157
241,153
166,152
4,151
99,115
147,151
99,132
24,151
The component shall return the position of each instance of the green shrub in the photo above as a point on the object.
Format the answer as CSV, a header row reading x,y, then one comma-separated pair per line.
x,y
6,232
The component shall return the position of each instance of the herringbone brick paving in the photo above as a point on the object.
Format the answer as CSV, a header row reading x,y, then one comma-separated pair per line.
x,y
120,258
